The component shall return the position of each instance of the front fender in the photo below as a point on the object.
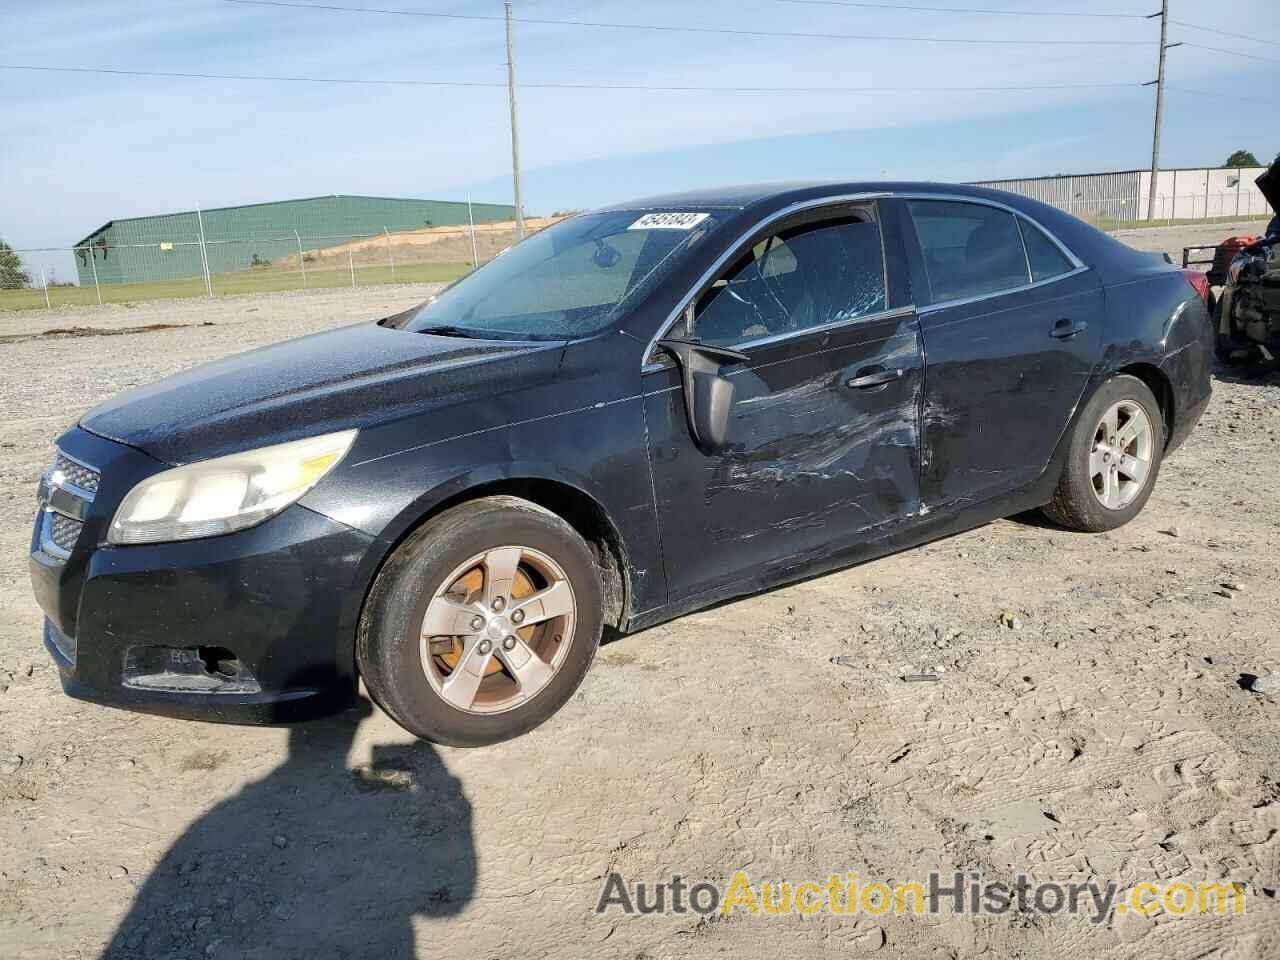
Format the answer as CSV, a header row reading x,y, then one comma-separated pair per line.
x,y
596,453
474,478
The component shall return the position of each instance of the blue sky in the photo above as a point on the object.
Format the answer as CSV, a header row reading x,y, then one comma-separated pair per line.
x,y
81,149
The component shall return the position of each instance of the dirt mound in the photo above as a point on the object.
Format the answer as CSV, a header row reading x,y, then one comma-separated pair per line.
x,y
428,245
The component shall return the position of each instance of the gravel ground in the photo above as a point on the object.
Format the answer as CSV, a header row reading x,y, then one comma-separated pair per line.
x,y
1092,719
1171,240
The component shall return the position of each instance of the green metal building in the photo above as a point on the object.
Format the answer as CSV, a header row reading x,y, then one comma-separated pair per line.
x,y
168,246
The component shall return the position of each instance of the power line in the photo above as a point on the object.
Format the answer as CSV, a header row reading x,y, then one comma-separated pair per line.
x,y
1233,53
247,76
1220,96
983,10
1224,33
988,11
671,28
497,84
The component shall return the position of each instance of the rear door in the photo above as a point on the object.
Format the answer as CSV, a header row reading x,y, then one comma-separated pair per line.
x,y
822,443
1011,325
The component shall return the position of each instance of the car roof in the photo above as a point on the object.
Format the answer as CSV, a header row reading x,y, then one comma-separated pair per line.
x,y
780,194
1112,258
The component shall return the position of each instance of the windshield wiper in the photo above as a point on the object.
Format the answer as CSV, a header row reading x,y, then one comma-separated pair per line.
x,y
449,330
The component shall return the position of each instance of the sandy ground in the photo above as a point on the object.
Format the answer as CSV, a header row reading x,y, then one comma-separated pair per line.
x,y
1110,735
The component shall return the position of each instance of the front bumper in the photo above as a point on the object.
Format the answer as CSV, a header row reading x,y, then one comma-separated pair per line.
x,y
252,627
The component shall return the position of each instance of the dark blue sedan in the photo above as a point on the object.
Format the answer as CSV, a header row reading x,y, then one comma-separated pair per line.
x,y
633,414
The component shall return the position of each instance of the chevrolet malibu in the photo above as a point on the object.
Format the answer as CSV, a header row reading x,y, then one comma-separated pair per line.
x,y
633,414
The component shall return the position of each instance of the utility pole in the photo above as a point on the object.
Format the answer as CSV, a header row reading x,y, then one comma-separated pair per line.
x,y
471,219
515,133
1158,83
204,253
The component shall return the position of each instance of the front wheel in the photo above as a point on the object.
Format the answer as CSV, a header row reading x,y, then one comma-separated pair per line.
x,y
482,623
1114,457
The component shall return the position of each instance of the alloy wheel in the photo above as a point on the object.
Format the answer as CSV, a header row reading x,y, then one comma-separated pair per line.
x,y
1120,461
498,629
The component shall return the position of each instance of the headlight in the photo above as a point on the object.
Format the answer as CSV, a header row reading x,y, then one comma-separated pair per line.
x,y
225,494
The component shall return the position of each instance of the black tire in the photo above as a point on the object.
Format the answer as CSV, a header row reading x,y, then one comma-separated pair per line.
x,y
1074,503
388,648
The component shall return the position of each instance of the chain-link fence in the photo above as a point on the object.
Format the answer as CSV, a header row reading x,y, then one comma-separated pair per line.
x,y
205,266
208,267
1117,212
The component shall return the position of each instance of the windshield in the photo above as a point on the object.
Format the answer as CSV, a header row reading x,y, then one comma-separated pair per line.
x,y
570,280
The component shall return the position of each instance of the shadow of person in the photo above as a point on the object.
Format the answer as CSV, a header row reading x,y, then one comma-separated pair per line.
x,y
314,860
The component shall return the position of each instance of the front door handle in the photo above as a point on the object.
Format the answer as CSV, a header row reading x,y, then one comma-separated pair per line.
x,y
869,377
1065,329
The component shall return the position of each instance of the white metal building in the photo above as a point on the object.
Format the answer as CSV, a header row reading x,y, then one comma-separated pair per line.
x,y
1191,194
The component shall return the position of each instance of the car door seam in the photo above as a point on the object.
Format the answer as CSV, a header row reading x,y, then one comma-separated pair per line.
x,y
653,494
921,458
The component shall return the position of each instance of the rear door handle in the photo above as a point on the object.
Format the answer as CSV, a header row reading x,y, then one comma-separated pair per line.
x,y
869,377
1065,329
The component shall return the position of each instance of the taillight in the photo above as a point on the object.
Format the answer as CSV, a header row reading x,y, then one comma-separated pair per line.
x,y
1201,283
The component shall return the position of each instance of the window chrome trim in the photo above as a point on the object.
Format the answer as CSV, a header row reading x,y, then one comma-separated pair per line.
x,y
1026,251
947,304
825,328
1078,265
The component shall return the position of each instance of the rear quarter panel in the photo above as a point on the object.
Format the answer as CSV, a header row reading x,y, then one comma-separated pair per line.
x,y
1153,315
1156,318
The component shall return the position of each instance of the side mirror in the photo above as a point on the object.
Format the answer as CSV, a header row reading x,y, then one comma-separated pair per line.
x,y
708,397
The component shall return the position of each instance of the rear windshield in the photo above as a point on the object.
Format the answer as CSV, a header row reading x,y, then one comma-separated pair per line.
x,y
570,280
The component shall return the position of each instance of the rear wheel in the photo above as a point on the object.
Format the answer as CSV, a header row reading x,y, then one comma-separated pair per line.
x,y
482,624
1113,460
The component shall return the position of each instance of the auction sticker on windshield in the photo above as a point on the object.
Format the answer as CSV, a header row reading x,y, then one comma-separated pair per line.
x,y
669,221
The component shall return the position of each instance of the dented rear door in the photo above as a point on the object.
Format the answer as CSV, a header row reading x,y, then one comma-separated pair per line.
x,y
1011,330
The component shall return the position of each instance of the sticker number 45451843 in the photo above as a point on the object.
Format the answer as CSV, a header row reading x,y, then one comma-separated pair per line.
x,y
675,220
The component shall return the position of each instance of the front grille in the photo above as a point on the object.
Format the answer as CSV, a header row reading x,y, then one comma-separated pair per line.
x,y
86,478
64,531
67,490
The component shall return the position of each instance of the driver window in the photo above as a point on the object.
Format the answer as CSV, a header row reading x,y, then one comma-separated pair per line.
x,y
801,278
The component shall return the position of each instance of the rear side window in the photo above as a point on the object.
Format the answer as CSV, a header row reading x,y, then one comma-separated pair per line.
x,y
1046,260
970,250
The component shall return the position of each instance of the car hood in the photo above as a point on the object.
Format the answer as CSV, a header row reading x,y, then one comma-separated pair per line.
x,y
349,377
1269,184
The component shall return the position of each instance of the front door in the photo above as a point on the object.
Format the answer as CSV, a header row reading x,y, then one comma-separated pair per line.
x,y
822,442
